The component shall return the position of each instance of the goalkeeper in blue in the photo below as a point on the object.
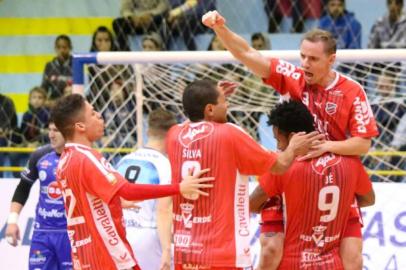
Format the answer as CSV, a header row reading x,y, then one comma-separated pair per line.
x,y
50,245
148,224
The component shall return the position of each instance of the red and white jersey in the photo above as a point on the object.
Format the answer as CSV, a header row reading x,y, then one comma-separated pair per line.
x,y
317,195
340,110
94,213
214,230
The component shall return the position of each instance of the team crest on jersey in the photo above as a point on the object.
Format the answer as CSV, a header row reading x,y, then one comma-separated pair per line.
x,y
42,175
54,191
187,214
324,162
331,108
195,132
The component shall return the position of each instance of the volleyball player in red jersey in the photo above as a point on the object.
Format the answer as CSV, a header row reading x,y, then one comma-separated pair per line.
x,y
92,190
317,195
214,233
337,103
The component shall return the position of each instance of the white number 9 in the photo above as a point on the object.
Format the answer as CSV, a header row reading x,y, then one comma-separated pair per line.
x,y
331,206
194,167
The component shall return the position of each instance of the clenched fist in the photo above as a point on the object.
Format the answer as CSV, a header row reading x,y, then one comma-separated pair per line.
x,y
213,19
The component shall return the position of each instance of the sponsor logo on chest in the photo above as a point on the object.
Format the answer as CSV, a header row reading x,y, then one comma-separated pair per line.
x,y
195,132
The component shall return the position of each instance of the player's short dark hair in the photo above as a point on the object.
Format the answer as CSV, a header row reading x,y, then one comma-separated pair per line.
x,y
258,35
66,112
291,116
316,35
196,96
64,37
160,121
398,2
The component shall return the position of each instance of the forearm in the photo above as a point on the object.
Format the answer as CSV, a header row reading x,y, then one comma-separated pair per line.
x,y
21,193
164,223
257,199
283,162
354,146
241,50
134,192
16,207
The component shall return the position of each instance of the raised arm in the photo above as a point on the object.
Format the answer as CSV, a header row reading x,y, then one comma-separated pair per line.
x,y
237,46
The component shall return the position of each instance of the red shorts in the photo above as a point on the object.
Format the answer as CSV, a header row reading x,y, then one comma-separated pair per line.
x,y
353,228
204,267
272,226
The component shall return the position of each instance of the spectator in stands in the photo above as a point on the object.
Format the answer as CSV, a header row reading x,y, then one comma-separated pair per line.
x,y
120,109
399,144
100,75
103,40
58,72
216,45
35,120
386,109
298,10
389,31
152,42
184,20
138,17
345,28
8,125
260,41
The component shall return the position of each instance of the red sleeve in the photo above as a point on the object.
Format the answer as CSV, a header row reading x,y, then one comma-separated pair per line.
x,y
364,184
271,184
362,121
285,78
252,158
133,192
100,178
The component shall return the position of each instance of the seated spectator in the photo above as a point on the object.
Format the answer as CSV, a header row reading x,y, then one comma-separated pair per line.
x,y
399,144
102,75
8,126
120,117
389,31
35,121
152,42
138,17
386,108
342,24
299,10
103,40
184,20
216,45
260,41
58,72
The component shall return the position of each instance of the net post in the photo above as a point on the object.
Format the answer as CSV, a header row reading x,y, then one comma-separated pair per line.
x,y
79,60
139,103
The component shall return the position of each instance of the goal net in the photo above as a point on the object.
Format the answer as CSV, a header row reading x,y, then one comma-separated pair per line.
x,y
125,87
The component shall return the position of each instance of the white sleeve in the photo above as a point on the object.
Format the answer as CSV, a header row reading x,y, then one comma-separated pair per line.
x,y
164,170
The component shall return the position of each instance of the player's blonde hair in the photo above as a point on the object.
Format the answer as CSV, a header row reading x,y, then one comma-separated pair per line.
x,y
316,35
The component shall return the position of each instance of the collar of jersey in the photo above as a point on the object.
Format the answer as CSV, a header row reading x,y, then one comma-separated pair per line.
x,y
77,145
331,85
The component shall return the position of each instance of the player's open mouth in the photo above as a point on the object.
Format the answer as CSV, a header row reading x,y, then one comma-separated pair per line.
x,y
308,74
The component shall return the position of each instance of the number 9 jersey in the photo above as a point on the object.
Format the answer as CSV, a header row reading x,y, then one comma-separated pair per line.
x,y
317,195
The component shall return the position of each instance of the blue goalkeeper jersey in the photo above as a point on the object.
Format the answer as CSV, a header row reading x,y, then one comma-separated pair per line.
x,y
50,211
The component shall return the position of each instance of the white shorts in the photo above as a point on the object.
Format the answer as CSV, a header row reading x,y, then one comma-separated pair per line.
x,y
146,247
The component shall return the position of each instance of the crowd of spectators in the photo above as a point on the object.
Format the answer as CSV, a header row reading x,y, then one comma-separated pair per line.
x,y
162,23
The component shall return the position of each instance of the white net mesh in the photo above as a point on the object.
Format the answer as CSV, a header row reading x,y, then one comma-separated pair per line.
x,y
112,90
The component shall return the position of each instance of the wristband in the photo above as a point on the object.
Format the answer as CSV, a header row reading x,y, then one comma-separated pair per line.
x,y
13,218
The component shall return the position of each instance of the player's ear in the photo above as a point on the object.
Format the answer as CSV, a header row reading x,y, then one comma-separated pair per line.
x,y
80,126
208,111
332,59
